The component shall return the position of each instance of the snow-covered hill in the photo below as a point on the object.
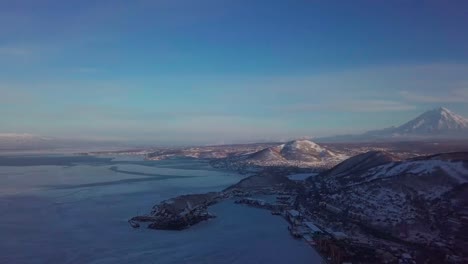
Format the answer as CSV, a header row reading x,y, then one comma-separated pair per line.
x,y
305,151
361,163
298,153
418,195
294,153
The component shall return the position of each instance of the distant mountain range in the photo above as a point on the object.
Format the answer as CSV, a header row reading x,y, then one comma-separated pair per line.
x,y
13,141
31,142
440,123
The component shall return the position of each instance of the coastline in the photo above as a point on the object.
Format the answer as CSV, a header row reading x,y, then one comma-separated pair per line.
x,y
188,211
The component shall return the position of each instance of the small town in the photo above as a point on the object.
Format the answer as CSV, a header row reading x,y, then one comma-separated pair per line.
x,y
335,246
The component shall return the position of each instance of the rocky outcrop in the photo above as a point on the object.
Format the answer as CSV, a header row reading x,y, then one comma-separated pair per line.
x,y
179,213
179,222
265,179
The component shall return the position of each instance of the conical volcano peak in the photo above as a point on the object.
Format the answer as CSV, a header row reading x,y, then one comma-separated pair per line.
x,y
436,120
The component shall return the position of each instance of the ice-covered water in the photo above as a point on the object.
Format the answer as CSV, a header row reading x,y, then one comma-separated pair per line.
x,y
77,211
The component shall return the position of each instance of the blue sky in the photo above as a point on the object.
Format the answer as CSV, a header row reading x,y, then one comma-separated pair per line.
x,y
214,71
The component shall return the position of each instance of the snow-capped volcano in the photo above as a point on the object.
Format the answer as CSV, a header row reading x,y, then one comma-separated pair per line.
x,y
439,123
435,121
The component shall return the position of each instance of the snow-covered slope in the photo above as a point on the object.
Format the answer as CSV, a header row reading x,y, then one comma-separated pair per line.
x,y
377,165
268,154
299,153
305,151
415,194
361,163
296,151
437,121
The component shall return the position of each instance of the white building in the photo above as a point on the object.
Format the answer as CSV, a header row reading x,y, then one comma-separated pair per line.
x,y
314,230
294,217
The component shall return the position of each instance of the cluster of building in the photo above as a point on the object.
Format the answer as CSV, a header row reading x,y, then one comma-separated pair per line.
x,y
300,227
335,246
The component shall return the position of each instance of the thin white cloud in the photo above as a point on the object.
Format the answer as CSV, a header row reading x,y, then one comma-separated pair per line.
x,y
446,96
244,107
352,106
376,106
